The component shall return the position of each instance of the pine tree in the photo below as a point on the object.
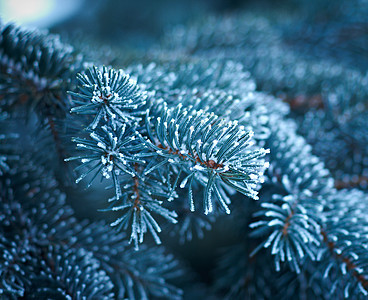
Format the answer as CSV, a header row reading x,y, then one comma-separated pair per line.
x,y
105,170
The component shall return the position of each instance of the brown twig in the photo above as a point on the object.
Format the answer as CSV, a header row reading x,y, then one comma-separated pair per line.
x,y
136,189
302,102
349,264
56,137
353,182
287,220
210,163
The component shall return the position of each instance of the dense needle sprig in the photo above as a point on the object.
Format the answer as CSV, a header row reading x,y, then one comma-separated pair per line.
x,y
36,70
142,197
110,153
206,149
189,145
110,95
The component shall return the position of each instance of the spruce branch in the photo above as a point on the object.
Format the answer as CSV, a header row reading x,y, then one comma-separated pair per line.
x,y
109,152
109,95
334,226
36,70
136,274
29,229
207,149
70,274
294,229
337,90
142,197
344,234
211,86
293,221
339,125
176,141
47,252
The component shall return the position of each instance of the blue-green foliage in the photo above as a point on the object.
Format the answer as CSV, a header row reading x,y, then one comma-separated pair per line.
x,y
209,87
344,231
141,274
5,148
171,142
34,213
36,70
109,152
269,50
179,144
47,253
109,95
52,276
294,233
340,131
142,197
241,276
207,149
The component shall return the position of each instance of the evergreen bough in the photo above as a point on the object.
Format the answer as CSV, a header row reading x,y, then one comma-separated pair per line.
x,y
175,146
